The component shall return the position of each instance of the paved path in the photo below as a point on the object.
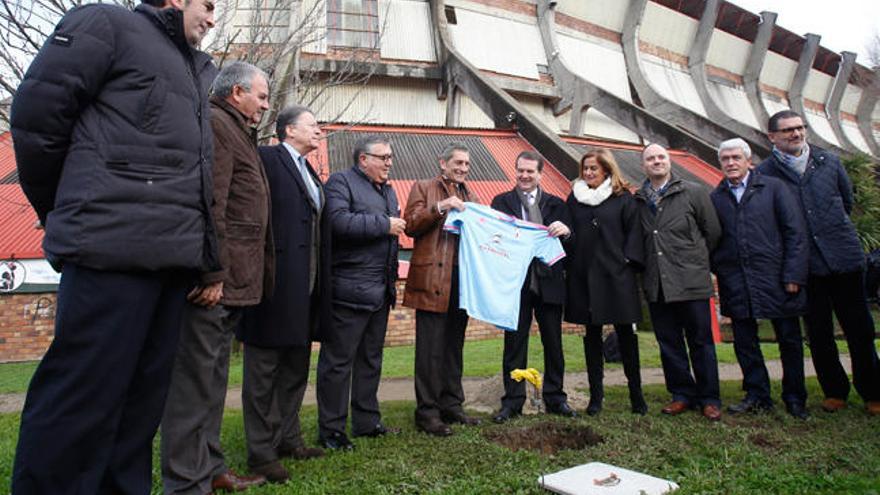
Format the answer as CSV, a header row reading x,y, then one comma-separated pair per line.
x,y
483,394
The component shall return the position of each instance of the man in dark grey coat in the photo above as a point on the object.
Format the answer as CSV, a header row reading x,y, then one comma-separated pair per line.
x,y
680,229
364,220
192,459
277,333
837,263
113,147
761,264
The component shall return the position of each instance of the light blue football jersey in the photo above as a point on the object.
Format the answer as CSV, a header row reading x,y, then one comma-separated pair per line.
x,y
494,255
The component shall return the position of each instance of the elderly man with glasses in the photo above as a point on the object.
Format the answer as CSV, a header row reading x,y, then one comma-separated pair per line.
x,y
837,263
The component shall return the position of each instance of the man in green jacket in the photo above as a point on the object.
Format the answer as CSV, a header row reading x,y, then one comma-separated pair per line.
x,y
680,229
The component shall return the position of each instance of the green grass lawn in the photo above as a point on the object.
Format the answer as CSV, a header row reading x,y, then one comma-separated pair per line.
x,y
754,454
481,358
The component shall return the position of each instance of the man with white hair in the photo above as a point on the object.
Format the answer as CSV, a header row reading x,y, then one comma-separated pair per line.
x,y
761,265
192,460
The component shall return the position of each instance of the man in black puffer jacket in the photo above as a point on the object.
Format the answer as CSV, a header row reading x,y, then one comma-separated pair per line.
x,y
113,145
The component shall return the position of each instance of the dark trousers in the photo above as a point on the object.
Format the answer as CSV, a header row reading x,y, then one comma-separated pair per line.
x,y
690,321
756,381
844,294
191,453
438,367
629,354
516,352
272,392
350,366
95,401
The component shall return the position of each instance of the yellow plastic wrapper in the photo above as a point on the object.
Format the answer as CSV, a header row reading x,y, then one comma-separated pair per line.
x,y
531,375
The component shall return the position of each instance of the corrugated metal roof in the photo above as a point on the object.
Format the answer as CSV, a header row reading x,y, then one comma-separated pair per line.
x,y
18,236
415,158
415,155
629,158
492,171
7,156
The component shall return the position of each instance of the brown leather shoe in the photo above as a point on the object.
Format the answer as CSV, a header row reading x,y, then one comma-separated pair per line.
x,y
232,482
274,472
435,427
675,408
301,453
873,407
712,412
833,405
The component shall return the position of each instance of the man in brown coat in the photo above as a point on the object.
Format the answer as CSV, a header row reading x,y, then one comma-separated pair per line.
x,y
192,461
432,289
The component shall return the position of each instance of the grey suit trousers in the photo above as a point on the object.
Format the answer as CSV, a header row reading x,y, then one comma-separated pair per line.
x,y
191,453
275,381
350,366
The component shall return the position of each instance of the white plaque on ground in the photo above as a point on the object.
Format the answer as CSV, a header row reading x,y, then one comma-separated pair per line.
x,y
598,478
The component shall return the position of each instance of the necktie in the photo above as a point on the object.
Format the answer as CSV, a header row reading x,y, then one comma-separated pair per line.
x,y
307,179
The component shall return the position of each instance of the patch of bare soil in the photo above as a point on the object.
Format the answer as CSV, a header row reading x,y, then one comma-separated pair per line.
x,y
546,437
765,442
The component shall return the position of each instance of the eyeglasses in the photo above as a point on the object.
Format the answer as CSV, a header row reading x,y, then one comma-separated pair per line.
x,y
791,130
384,158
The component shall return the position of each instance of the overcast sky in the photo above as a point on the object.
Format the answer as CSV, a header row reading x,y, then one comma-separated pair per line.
x,y
842,24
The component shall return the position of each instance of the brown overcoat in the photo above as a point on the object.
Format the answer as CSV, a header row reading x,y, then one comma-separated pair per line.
x,y
435,251
240,210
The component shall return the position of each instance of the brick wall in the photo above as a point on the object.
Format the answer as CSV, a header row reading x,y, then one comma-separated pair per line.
x,y
27,321
26,325
402,323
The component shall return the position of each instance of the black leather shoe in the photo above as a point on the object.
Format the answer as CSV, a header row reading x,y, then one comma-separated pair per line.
x,y
505,414
594,407
749,405
562,410
797,410
637,404
378,431
460,418
336,441
300,453
434,427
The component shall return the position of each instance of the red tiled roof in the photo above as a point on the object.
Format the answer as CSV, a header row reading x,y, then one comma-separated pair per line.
x,y
19,238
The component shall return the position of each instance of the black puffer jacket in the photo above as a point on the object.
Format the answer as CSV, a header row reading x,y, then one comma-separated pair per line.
x,y
113,144
364,254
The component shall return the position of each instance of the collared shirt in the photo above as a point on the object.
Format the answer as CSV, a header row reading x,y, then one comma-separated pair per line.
x,y
306,176
739,189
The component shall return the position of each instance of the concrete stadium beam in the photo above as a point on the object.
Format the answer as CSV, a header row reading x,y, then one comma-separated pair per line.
x,y
799,82
865,113
579,94
752,74
697,67
694,123
502,108
832,106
